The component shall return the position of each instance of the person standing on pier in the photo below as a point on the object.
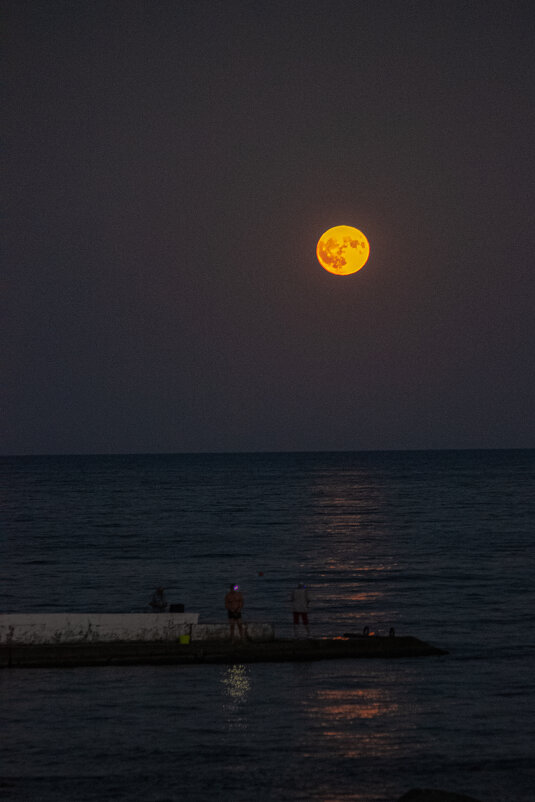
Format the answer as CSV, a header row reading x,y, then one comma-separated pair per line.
x,y
234,606
300,602
158,601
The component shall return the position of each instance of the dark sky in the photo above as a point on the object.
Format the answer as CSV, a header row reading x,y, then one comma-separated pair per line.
x,y
170,167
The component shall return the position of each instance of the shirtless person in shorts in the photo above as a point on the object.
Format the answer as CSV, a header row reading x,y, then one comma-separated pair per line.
x,y
234,606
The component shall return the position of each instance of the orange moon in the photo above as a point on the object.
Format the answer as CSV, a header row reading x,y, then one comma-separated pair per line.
x,y
343,250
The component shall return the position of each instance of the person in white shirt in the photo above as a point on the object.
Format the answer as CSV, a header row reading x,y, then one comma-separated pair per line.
x,y
300,602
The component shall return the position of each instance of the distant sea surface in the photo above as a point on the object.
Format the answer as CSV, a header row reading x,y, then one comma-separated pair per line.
x,y
439,545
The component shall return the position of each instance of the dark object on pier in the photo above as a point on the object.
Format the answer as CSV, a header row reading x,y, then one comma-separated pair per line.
x,y
176,608
365,633
105,653
430,795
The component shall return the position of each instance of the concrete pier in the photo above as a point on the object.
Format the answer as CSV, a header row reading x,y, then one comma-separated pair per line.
x,y
96,639
117,653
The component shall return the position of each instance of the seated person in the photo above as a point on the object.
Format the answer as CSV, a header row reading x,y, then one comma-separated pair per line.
x,y
158,601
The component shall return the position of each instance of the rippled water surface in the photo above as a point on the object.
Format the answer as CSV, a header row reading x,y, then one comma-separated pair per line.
x,y
438,544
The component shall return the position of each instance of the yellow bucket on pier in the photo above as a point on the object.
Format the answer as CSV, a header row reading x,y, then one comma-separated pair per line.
x,y
184,639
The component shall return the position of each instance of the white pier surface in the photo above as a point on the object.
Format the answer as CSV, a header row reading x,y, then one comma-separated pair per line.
x,y
34,628
53,628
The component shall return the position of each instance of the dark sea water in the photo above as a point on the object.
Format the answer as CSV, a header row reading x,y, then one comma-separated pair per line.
x,y
439,545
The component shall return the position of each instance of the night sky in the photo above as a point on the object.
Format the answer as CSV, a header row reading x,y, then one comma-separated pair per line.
x,y
169,168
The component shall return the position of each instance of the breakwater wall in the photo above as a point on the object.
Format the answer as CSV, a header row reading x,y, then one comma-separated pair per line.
x,y
54,628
